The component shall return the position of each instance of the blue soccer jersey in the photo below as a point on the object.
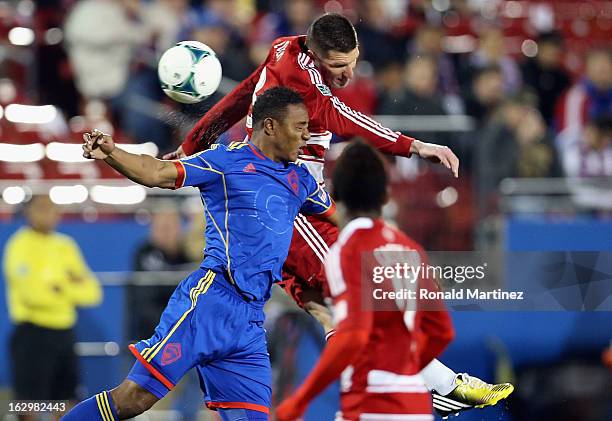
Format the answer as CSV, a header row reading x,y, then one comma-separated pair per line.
x,y
250,203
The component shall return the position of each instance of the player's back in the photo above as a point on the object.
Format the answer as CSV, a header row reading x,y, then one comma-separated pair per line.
x,y
384,379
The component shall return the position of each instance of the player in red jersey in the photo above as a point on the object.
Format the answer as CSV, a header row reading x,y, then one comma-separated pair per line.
x,y
310,64
378,351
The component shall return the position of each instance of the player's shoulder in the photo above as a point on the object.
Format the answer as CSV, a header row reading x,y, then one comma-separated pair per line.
x,y
287,46
353,234
290,59
216,154
301,169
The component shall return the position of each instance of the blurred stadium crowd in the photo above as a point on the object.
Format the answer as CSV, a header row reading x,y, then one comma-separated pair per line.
x,y
516,88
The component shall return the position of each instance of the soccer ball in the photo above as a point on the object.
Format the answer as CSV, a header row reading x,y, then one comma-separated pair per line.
x,y
189,72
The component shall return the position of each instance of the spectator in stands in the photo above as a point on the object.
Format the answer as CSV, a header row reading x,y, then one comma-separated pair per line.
x,y
514,143
591,97
429,41
208,27
545,74
293,18
417,96
101,58
116,63
47,279
587,151
486,93
491,52
162,251
378,41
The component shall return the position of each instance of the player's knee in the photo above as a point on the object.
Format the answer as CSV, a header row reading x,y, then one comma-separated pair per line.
x,y
131,400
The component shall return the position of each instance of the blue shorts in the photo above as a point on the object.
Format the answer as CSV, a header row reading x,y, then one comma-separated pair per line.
x,y
208,325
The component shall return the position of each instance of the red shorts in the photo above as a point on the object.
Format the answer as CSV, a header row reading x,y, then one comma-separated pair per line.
x,y
303,271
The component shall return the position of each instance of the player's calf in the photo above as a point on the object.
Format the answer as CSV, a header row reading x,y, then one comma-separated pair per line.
x,y
125,401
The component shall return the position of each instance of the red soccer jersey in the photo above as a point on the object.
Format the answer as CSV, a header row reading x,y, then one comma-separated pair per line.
x,y
379,353
289,64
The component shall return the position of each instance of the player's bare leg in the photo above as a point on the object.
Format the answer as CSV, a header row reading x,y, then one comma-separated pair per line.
x,y
131,399
123,402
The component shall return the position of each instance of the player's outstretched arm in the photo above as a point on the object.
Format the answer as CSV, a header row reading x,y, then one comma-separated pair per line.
x,y
340,352
142,169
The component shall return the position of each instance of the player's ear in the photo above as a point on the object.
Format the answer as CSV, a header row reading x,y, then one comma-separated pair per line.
x,y
269,126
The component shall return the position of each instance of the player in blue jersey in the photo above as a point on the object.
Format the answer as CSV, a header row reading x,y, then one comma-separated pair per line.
x,y
213,322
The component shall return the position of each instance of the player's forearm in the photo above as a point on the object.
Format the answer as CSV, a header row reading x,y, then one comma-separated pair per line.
x,y
143,169
344,121
340,352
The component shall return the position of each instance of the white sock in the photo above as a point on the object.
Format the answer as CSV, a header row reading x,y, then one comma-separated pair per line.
x,y
439,377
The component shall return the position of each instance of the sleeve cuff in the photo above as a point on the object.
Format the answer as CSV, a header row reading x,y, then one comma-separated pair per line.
x,y
180,177
403,145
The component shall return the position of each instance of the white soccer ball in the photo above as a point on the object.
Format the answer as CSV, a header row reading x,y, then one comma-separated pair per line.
x,y
189,72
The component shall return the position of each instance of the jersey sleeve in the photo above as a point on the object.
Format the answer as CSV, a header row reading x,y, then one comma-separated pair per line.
x,y
223,115
341,119
201,169
318,201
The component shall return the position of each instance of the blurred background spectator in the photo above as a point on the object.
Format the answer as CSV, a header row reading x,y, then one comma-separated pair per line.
x,y
587,151
163,251
513,144
591,96
545,74
46,280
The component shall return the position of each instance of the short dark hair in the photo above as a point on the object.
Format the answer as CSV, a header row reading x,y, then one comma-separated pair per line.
x,y
273,103
331,31
360,178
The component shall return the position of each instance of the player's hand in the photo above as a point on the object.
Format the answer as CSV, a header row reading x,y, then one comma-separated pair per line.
x,y
97,145
321,313
290,410
437,153
177,154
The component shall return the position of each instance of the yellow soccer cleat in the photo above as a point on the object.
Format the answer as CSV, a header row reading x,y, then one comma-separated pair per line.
x,y
470,392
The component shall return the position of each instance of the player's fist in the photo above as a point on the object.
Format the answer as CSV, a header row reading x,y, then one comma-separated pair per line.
x,y
97,145
291,409
437,153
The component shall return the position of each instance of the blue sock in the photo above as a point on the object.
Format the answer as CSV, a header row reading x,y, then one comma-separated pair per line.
x,y
236,414
97,408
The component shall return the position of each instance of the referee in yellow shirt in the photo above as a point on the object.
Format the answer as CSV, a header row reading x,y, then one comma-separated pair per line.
x,y
46,279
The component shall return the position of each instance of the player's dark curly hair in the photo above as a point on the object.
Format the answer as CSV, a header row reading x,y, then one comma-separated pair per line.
x,y
273,103
331,32
360,178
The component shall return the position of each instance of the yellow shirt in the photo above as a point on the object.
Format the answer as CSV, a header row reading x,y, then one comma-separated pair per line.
x,y
46,279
